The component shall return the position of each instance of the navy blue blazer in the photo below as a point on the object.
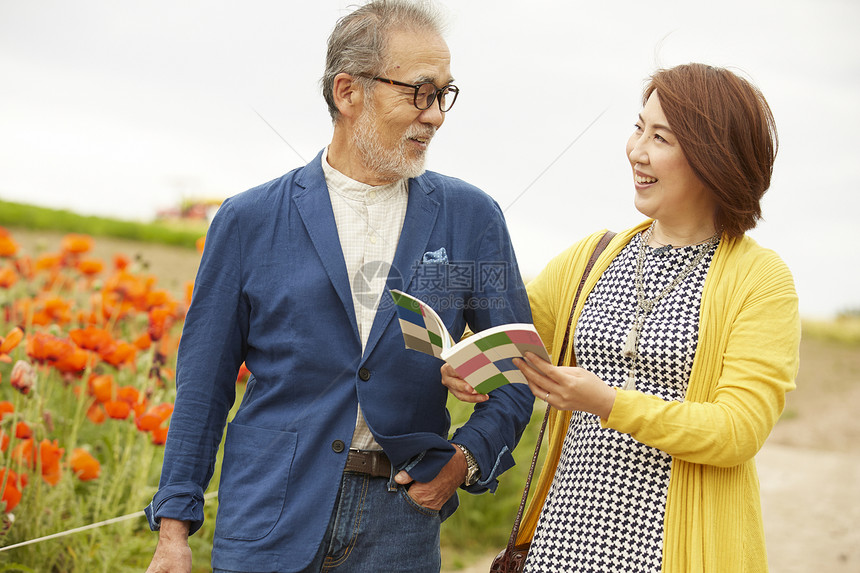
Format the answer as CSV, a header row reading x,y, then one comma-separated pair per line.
x,y
272,291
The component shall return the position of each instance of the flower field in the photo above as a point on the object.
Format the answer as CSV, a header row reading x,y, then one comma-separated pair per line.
x,y
87,351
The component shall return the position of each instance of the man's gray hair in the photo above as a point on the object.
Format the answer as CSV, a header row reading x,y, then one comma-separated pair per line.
x,y
359,42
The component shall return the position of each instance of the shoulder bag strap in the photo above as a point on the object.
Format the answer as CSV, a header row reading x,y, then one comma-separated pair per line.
x,y
599,248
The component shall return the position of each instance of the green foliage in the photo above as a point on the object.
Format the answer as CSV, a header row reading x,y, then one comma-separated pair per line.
x,y
483,522
845,329
31,217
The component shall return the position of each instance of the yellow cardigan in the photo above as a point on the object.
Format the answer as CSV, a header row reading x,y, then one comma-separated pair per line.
x,y
747,359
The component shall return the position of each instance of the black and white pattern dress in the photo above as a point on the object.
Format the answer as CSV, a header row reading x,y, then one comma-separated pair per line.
x,y
604,511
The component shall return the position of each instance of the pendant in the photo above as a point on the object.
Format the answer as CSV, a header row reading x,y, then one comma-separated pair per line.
x,y
630,383
629,349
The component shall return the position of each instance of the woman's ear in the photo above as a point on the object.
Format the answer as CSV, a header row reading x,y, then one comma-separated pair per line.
x,y
348,95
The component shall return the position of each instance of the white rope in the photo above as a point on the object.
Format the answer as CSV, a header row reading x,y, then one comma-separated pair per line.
x,y
209,495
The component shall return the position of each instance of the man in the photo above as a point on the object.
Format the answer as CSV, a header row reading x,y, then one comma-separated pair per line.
x,y
338,456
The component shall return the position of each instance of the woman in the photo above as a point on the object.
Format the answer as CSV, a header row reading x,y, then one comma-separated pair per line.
x,y
686,339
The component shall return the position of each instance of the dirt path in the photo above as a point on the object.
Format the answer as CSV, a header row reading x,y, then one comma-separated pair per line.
x,y
809,468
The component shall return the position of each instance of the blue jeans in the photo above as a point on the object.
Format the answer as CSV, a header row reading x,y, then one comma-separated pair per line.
x,y
373,529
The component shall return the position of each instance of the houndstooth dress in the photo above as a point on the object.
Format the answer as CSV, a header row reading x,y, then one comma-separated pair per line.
x,y
604,511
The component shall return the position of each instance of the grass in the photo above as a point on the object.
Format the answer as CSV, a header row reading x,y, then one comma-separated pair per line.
x,y
844,329
42,218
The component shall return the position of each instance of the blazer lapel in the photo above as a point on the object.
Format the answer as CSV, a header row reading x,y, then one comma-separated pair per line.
x,y
421,213
314,207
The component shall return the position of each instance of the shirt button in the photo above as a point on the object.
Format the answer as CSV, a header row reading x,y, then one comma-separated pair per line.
x,y
338,446
372,239
364,374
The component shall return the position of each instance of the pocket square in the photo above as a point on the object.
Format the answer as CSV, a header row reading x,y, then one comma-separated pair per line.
x,y
439,256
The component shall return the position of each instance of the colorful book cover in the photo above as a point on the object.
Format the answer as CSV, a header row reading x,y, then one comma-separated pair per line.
x,y
484,360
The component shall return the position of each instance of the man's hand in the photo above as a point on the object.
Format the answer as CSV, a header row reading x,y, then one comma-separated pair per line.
x,y
461,389
172,554
435,493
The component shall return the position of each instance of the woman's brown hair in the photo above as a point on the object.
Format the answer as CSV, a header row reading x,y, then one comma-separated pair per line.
x,y
728,135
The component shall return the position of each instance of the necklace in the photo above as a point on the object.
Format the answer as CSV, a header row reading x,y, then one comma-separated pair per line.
x,y
644,305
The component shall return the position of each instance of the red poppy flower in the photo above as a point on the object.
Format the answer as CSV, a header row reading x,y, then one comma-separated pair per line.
x,y
8,277
118,354
117,409
13,339
51,454
90,267
6,407
76,244
23,431
96,413
159,322
153,418
85,466
128,394
91,338
101,386
159,436
48,261
11,489
23,377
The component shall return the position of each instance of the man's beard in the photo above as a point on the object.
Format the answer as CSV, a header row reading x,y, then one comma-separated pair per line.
x,y
389,164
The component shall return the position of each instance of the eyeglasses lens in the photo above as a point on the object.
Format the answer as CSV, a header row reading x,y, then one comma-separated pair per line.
x,y
426,95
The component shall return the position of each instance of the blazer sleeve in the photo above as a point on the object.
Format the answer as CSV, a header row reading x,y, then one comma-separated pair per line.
x,y
211,350
495,427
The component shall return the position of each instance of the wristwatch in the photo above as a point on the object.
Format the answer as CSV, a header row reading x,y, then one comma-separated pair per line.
x,y
473,472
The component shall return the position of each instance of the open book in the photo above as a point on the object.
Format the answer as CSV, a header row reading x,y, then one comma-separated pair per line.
x,y
484,360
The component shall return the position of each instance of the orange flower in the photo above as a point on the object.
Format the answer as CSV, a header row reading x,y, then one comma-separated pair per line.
x,y
90,267
243,374
101,386
11,489
159,436
8,246
51,454
120,261
91,338
6,407
200,243
128,394
85,466
117,409
96,413
142,342
13,339
48,261
23,377
8,277
118,354
22,453
76,244
159,321
62,354
4,441
23,431
153,418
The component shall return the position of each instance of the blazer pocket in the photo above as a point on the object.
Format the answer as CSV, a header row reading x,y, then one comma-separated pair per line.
x,y
254,477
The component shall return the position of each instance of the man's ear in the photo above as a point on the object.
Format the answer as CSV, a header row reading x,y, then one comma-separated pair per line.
x,y
348,95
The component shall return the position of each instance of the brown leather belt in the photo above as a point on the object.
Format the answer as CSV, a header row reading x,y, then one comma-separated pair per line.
x,y
375,464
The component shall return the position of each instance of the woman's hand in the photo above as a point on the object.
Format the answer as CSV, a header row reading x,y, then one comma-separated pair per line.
x,y
565,387
461,389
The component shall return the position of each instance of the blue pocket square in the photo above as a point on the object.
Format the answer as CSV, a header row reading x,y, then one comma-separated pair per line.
x,y
435,257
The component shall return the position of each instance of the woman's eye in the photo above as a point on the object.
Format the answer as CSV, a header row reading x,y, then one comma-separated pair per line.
x,y
659,137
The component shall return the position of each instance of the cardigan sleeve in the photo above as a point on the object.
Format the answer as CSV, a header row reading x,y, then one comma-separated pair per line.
x,y
747,360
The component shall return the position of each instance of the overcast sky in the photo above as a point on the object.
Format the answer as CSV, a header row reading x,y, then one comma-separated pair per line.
x,y
123,108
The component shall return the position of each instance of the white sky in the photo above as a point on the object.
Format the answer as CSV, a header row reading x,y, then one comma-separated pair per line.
x,y
121,108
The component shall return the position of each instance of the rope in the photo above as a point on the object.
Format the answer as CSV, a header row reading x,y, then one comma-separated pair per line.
x,y
126,517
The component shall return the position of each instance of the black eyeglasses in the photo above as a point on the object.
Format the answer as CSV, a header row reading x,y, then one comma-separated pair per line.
x,y
426,93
